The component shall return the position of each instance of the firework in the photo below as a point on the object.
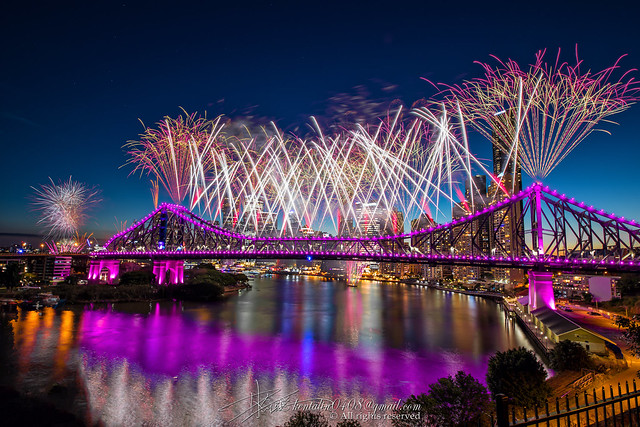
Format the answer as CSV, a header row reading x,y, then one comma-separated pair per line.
x,y
372,179
169,151
540,114
63,206
74,245
155,192
351,182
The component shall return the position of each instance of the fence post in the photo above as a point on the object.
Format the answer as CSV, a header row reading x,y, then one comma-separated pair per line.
x,y
502,410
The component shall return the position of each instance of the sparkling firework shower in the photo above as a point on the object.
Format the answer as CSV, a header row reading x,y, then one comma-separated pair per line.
x,y
169,151
63,207
277,183
539,115
338,182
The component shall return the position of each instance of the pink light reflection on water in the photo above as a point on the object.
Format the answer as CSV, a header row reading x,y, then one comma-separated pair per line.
x,y
204,368
171,344
382,342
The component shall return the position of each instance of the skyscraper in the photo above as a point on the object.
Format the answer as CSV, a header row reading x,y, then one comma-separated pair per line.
x,y
509,232
503,128
475,237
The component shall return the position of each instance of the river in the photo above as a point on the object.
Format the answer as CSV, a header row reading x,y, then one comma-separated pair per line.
x,y
288,338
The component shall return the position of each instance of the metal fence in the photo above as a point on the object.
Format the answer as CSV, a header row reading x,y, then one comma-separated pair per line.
x,y
596,408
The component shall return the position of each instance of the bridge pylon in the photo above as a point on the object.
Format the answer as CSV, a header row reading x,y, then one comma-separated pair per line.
x,y
168,272
541,290
104,269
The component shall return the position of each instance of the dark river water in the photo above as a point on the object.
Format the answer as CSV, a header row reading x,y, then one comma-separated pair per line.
x,y
250,359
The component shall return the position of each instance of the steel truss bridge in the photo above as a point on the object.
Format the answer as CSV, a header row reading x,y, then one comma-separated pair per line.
x,y
536,229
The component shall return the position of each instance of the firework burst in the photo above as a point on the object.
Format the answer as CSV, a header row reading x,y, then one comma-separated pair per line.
x,y
334,182
63,207
74,245
540,114
169,151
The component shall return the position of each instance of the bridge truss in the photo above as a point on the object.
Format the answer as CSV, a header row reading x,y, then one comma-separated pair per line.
x,y
536,229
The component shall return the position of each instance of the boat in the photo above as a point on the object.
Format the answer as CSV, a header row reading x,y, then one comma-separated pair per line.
x,y
252,274
30,305
8,305
40,301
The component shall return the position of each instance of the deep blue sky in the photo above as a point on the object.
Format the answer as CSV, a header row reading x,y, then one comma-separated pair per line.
x,y
75,78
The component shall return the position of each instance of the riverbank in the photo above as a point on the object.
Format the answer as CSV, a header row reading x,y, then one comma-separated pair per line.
x,y
494,296
82,294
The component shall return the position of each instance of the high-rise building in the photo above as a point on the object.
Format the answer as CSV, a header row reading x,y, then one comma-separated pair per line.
x,y
253,219
370,219
229,214
292,224
425,271
473,239
509,232
477,194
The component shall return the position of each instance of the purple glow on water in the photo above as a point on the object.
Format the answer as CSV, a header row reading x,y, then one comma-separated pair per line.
x,y
331,336
165,363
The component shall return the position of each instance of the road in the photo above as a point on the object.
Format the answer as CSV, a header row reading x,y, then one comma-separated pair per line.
x,y
605,326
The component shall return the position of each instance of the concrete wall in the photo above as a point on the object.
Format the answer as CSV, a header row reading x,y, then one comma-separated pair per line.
x,y
600,288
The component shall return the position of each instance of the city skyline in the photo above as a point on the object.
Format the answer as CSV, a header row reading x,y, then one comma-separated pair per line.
x,y
73,109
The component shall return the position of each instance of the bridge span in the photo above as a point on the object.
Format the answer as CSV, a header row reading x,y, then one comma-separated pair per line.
x,y
538,229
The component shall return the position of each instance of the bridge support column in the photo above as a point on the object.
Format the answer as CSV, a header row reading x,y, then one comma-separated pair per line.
x,y
541,290
94,269
104,269
169,272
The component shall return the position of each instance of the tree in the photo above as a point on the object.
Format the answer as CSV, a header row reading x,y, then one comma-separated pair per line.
x,y
307,419
629,284
518,374
201,285
451,401
137,277
632,338
569,356
587,297
622,322
457,401
421,401
349,423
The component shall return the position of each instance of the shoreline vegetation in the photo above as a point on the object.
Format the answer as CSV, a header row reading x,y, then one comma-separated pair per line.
x,y
203,283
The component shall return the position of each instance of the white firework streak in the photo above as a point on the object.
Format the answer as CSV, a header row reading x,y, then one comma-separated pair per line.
x,y
317,182
63,207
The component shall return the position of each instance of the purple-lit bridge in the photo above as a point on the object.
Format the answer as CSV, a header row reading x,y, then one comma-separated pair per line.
x,y
537,229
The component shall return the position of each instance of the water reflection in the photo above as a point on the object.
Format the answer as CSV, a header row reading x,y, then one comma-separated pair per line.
x,y
172,363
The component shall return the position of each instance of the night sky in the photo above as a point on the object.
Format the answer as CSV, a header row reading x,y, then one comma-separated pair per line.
x,y
76,77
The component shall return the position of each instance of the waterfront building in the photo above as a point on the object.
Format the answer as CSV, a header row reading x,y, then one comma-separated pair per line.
x,y
550,327
571,286
555,327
